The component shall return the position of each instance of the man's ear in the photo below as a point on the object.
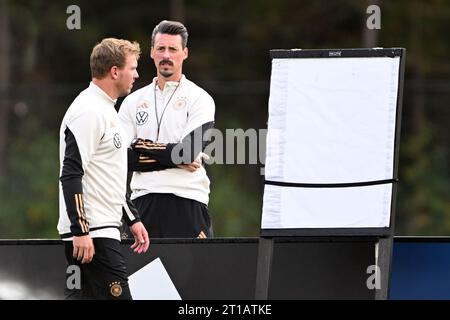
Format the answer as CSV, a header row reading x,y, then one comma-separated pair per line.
x,y
186,53
114,72
151,52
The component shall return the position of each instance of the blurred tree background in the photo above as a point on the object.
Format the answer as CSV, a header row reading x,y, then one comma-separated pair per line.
x,y
44,65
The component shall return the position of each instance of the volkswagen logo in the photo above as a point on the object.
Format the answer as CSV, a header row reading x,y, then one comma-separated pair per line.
x,y
141,118
117,141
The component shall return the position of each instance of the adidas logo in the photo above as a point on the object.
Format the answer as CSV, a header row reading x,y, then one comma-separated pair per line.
x,y
201,235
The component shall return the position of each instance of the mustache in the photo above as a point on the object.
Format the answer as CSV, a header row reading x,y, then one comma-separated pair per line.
x,y
166,61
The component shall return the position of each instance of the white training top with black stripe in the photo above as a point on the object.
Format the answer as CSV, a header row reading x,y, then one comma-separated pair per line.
x,y
94,123
181,108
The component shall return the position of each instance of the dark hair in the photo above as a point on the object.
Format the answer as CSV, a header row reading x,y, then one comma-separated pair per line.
x,y
171,27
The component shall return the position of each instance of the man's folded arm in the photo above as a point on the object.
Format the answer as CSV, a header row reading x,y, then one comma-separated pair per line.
x,y
146,155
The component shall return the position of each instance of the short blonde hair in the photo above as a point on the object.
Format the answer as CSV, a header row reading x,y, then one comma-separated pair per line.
x,y
111,52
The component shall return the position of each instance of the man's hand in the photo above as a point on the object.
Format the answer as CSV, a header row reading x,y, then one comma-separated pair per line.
x,y
83,248
196,164
138,141
141,240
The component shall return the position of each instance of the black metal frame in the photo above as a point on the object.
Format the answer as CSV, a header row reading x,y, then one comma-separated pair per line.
x,y
383,236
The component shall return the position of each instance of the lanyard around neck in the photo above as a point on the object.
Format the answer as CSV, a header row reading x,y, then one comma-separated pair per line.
x,y
159,119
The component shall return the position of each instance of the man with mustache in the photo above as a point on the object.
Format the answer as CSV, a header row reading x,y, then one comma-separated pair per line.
x,y
93,177
167,124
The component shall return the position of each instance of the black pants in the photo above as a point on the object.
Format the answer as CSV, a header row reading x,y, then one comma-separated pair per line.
x,y
166,215
104,278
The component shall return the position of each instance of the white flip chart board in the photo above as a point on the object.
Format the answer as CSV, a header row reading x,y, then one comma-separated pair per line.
x,y
332,134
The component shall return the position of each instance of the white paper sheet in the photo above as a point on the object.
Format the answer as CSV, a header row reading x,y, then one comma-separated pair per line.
x,y
331,120
152,282
358,207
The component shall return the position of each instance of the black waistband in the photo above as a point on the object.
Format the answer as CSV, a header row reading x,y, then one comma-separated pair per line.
x,y
68,235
